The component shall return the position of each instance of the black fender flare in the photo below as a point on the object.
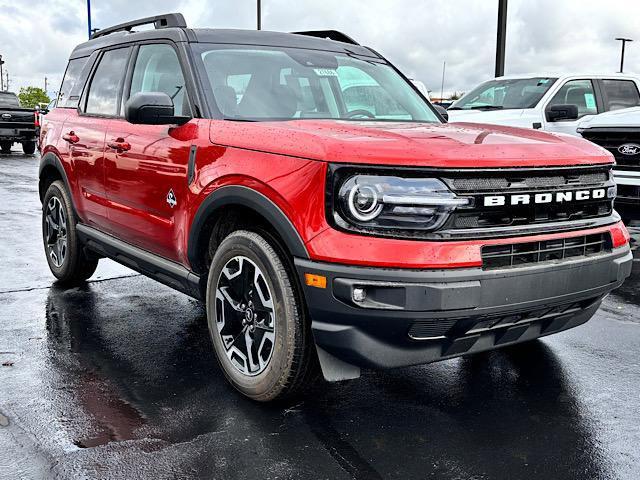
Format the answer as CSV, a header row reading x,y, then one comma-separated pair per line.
x,y
50,159
246,197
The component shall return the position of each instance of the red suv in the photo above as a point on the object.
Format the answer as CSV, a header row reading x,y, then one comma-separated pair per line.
x,y
327,214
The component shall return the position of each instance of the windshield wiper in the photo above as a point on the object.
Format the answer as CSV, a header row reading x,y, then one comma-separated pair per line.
x,y
455,108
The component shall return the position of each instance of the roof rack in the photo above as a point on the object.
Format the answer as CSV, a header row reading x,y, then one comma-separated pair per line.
x,y
167,20
334,35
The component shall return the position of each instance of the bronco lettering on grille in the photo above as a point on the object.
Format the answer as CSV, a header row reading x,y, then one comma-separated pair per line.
x,y
548,197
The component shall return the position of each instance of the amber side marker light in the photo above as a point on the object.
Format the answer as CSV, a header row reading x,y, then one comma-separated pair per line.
x,y
314,280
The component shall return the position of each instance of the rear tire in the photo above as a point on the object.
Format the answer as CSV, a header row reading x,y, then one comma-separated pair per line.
x,y
29,148
5,147
257,320
66,258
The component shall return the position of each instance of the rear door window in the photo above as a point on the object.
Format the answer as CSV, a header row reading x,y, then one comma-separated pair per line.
x,y
69,82
106,85
579,93
620,94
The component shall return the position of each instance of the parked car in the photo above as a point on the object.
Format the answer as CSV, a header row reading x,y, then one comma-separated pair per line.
x,y
619,133
555,103
231,165
17,124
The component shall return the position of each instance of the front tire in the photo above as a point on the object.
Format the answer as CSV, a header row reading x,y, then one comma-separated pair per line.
x,y
65,256
5,147
257,320
29,148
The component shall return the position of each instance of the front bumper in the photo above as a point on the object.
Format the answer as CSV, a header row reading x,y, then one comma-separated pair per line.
x,y
419,316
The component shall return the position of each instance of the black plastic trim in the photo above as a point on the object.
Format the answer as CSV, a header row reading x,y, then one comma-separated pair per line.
x,y
375,332
51,160
244,196
164,271
191,166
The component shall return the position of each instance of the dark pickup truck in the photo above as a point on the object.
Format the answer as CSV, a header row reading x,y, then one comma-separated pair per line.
x,y
17,124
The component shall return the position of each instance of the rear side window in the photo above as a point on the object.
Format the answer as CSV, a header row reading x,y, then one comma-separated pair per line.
x,y
158,70
620,94
579,93
105,87
71,76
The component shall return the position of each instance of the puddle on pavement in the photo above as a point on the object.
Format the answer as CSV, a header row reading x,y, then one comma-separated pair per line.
x,y
115,419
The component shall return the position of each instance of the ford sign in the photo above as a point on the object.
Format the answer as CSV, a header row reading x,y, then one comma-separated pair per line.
x,y
629,149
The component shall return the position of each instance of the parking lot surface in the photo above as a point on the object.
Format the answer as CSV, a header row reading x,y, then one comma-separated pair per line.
x,y
117,379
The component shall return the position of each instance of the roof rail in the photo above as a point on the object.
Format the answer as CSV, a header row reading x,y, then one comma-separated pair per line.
x,y
168,20
334,35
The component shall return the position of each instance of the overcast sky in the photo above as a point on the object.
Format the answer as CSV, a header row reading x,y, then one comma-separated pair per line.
x,y
36,36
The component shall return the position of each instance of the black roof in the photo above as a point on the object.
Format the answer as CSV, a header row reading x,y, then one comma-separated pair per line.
x,y
170,27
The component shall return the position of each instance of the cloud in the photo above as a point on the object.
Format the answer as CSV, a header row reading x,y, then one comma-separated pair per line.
x,y
417,35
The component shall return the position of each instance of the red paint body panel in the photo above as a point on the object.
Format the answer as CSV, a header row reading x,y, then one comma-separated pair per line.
x,y
286,162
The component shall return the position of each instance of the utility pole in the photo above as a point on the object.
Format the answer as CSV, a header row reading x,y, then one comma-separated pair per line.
x,y
89,17
624,41
45,84
501,39
1,80
6,83
444,65
259,2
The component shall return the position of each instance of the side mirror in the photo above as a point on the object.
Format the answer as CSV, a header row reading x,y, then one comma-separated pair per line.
x,y
442,111
561,112
152,108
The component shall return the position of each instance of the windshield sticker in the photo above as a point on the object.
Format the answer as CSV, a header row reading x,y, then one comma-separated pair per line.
x,y
543,81
325,72
590,100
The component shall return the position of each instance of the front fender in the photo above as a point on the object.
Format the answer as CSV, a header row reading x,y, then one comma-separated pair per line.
x,y
246,197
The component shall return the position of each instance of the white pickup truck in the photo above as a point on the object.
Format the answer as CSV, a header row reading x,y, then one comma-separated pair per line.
x,y
551,102
619,132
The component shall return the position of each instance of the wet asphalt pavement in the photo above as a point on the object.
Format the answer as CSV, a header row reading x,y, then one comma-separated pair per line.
x,y
117,379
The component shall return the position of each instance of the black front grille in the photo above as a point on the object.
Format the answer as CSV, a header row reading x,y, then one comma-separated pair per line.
x,y
529,182
628,193
522,254
612,140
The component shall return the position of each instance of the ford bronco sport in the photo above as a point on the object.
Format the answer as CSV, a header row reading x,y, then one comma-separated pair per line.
x,y
302,187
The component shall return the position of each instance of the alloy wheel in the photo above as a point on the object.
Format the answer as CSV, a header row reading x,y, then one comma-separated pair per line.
x,y
245,315
56,231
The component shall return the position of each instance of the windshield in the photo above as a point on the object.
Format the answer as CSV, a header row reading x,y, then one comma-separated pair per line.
x,y
9,99
505,94
263,83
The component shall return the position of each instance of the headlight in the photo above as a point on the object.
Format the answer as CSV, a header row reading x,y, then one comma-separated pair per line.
x,y
387,202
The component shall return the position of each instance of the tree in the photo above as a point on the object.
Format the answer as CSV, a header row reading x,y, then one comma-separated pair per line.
x,y
32,96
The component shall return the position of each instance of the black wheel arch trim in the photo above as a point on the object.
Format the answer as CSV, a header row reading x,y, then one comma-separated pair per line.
x,y
51,160
246,197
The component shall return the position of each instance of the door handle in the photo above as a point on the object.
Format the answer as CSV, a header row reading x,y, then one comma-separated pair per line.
x,y
119,144
71,137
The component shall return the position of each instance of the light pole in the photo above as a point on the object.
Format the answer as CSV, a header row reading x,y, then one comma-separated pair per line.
x,y
501,39
89,18
1,80
259,5
624,41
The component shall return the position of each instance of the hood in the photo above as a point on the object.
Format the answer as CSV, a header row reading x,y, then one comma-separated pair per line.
x,y
410,144
485,116
626,117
